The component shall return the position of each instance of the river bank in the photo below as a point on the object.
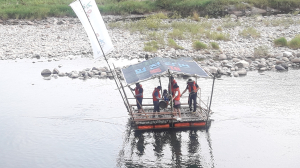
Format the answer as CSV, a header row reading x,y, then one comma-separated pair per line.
x,y
55,39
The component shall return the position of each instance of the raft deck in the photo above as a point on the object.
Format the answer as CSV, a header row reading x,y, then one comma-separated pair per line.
x,y
166,118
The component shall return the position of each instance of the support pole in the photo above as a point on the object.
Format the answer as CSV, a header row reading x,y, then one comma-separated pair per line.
x,y
171,103
125,96
212,91
160,85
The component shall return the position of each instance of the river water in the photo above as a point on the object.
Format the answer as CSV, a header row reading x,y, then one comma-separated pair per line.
x,y
75,123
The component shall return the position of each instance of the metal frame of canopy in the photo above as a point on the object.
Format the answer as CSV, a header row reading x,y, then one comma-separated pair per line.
x,y
201,118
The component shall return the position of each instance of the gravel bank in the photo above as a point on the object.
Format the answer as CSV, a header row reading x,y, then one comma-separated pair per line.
x,y
62,38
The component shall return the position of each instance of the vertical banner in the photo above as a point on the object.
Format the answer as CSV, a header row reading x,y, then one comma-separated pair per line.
x,y
90,17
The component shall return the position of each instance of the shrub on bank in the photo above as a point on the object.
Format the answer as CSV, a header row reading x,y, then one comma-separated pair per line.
x,y
215,45
280,42
158,37
261,51
295,43
176,34
250,32
217,36
197,45
173,44
151,46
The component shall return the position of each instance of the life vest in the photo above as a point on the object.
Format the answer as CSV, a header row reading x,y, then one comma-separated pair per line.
x,y
137,91
192,85
154,97
172,85
178,96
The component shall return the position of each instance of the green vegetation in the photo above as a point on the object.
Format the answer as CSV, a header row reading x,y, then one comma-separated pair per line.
x,y
219,28
196,16
285,22
176,34
197,45
261,51
250,32
159,37
32,9
217,36
151,46
173,44
231,24
294,43
280,42
215,45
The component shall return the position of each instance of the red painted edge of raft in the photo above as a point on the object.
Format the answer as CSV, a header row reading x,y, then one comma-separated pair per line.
x,y
176,125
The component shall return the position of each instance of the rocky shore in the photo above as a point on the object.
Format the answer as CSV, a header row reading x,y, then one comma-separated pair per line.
x,y
54,39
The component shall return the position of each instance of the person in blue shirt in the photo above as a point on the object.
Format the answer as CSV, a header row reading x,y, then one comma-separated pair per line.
x,y
156,97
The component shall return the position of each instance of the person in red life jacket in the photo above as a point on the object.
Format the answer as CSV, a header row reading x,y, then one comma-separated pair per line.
x,y
176,99
138,95
193,88
173,82
156,97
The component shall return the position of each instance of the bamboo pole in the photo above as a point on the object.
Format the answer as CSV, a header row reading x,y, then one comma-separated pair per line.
x,y
100,47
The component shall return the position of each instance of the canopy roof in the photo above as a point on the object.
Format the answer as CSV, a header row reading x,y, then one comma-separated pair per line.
x,y
159,66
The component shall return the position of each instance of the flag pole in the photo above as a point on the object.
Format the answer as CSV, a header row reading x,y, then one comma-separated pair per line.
x,y
101,49
97,38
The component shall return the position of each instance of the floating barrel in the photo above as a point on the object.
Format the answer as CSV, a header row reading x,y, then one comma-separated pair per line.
x,y
163,104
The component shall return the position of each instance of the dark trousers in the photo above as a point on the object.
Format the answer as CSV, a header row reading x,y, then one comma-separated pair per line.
x,y
193,97
140,100
156,106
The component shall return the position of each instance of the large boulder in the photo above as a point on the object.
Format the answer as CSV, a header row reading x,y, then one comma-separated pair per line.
x,y
285,59
61,74
74,74
296,60
242,64
90,74
103,74
287,54
285,66
96,68
236,74
262,64
279,68
55,71
242,72
222,57
46,73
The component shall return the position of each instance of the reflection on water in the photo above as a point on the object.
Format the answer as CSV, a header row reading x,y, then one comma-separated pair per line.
x,y
165,148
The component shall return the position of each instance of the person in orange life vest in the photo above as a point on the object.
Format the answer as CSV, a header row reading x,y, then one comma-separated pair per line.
x,y
173,82
176,98
193,88
138,95
156,97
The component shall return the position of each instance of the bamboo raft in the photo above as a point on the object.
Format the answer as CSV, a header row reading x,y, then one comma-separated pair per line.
x,y
165,119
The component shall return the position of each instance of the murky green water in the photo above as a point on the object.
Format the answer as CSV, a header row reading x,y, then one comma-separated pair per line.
x,y
75,123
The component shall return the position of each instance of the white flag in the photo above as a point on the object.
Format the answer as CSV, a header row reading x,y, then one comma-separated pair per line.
x,y
89,11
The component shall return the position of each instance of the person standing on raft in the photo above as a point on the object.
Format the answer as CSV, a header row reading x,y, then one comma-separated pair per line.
x,y
138,95
193,88
176,99
156,97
